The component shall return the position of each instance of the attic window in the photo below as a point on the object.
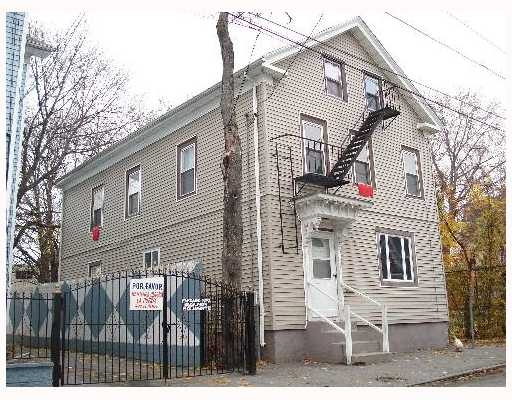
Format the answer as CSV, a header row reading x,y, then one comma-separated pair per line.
x,y
335,81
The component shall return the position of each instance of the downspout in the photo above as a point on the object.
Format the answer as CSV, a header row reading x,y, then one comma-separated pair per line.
x,y
258,215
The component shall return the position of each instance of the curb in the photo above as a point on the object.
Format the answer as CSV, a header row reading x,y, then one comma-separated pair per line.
x,y
459,374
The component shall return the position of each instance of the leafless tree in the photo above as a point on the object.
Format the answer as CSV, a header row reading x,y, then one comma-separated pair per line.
x,y
76,107
231,163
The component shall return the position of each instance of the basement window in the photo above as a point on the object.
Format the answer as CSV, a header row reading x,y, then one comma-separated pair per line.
x,y
396,258
95,269
152,258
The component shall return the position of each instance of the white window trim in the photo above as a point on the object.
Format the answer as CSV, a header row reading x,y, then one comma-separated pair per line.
x,y
388,265
125,206
332,254
150,251
379,83
92,206
322,148
340,81
89,264
193,144
353,169
418,173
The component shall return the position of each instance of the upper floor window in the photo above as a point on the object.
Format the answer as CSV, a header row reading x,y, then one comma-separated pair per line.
x,y
412,172
133,191
98,194
151,258
396,259
373,92
95,269
362,165
187,168
313,146
335,81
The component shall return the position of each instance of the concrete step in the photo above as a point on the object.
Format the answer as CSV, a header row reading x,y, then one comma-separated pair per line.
x,y
371,358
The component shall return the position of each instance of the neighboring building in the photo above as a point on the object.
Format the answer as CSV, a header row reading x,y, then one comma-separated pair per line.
x,y
20,46
310,238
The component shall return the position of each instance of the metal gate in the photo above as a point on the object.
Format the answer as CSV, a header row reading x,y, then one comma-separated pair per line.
x,y
205,327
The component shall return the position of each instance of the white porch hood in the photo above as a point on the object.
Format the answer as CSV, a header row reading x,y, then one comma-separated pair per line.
x,y
340,209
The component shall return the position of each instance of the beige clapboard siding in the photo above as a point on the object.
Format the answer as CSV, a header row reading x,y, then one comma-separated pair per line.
x,y
186,229
302,91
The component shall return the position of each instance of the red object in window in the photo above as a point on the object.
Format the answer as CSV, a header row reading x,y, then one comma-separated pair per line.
x,y
365,190
95,233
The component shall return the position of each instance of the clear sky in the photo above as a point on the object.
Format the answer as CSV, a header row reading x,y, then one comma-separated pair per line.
x,y
173,55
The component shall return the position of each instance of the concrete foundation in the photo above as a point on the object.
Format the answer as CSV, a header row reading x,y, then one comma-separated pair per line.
x,y
316,341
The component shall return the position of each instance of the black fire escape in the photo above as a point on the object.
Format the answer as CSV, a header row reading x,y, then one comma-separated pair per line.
x,y
388,108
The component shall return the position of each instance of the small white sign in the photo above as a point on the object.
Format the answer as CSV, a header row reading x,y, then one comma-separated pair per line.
x,y
147,293
196,304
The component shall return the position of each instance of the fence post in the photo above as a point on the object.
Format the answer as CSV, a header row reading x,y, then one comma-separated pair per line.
x,y
55,337
250,346
165,329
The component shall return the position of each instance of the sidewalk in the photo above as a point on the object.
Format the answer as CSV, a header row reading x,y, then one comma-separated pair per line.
x,y
404,370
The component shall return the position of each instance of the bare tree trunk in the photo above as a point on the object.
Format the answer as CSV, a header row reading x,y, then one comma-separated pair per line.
x,y
231,163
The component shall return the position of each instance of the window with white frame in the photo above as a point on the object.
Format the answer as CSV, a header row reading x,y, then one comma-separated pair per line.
x,y
361,170
98,195
187,168
412,172
313,146
372,91
335,82
321,252
151,258
95,269
396,259
133,191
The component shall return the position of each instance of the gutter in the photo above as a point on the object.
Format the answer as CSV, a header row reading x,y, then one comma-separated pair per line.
x,y
258,215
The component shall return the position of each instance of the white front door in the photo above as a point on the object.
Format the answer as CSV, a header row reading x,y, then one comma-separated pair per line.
x,y
322,275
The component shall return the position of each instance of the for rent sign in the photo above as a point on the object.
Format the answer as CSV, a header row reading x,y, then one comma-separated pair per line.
x,y
147,293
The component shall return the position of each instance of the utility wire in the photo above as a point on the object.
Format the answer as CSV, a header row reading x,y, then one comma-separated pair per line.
x,y
294,58
446,46
476,33
378,66
413,93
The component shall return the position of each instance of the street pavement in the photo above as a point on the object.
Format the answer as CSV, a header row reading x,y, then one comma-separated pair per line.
x,y
405,369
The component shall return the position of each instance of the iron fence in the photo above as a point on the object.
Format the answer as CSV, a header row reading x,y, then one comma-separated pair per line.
x,y
93,336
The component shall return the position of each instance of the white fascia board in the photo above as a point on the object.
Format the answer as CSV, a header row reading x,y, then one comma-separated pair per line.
x,y
163,126
427,128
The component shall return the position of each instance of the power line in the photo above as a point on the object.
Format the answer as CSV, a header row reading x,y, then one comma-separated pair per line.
x,y
377,66
415,94
476,32
294,58
447,46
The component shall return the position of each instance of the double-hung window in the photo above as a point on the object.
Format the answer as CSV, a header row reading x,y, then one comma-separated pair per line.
x,y
372,92
361,169
95,269
187,168
396,259
151,258
313,146
98,195
412,172
133,191
335,81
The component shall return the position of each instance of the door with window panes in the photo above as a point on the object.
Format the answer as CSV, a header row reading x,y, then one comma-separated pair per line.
x,y
323,275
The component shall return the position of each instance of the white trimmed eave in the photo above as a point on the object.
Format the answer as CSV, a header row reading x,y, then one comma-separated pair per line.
x,y
373,46
342,209
166,124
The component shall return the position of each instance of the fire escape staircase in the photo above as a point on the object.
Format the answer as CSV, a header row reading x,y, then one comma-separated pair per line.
x,y
337,176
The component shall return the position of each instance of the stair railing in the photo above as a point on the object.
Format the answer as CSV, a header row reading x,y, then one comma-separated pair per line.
x,y
384,330
347,332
